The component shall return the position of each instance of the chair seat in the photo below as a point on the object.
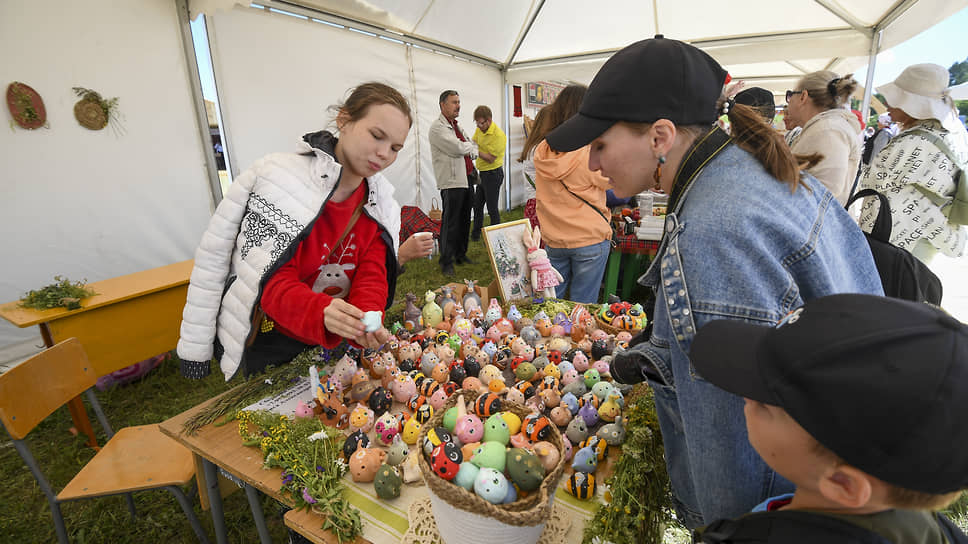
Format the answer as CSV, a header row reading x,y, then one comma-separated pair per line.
x,y
136,458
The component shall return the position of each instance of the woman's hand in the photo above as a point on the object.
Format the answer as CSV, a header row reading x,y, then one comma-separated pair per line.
x,y
343,319
373,340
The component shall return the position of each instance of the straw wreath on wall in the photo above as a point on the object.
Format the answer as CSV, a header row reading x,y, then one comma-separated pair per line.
x,y
94,112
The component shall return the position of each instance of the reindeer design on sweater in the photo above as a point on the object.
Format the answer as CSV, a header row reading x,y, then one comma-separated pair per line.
x,y
332,278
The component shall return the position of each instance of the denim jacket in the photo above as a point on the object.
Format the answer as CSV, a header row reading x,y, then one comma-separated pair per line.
x,y
740,245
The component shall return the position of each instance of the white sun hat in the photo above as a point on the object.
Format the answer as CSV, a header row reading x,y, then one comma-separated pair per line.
x,y
921,91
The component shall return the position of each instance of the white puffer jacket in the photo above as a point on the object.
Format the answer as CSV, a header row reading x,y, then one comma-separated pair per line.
x,y
256,228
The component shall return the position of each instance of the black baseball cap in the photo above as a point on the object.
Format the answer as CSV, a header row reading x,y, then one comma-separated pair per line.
x,y
881,382
649,80
756,97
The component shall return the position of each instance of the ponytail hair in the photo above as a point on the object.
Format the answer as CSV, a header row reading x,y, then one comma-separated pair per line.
x,y
827,90
751,133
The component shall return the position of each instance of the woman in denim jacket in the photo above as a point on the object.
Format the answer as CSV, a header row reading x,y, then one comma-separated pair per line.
x,y
747,237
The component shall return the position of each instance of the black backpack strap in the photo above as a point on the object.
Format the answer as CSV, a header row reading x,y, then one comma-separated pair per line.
x,y
702,151
882,224
951,531
786,527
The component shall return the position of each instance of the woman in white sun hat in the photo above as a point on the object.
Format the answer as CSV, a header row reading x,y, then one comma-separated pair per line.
x,y
918,170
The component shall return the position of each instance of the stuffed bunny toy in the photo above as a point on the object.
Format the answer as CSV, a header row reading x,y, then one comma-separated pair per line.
x,y
544,277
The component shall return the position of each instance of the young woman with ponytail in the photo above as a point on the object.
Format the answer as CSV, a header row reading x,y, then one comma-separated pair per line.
x,y
748,237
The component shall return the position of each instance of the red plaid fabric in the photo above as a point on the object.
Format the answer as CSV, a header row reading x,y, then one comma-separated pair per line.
x,y
413,220
531,212
628,243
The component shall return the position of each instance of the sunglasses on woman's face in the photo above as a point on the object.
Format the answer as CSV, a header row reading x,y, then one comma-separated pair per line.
x,y
789,94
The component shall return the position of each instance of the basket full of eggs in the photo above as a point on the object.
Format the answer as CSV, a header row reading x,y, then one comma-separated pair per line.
x,y
487,481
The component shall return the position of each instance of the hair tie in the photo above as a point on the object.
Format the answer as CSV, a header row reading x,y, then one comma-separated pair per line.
x,y
832,87
728,105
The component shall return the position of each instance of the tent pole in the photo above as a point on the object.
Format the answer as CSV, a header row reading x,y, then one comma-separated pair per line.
x,y
201,115
869,81
507,142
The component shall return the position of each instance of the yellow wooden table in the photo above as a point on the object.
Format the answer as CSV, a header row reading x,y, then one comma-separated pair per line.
x,y
131,318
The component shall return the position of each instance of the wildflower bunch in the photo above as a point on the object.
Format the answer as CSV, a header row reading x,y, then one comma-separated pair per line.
x,y
638,508
310,456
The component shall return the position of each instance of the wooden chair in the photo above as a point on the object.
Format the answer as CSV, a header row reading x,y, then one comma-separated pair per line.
x,y
134,459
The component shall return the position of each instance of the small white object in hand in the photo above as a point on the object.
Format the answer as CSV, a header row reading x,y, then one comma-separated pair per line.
x,y
372,321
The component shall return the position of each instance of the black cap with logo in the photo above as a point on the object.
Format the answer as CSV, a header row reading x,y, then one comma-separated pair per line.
x,y
881,382
644,82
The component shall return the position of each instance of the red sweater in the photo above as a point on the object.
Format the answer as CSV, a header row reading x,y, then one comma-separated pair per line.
x,y
296,295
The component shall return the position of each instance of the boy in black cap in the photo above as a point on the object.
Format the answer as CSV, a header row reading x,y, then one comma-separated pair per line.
x,y
860,401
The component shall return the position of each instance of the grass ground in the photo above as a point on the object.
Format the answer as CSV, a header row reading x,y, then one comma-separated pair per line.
x,y
25,514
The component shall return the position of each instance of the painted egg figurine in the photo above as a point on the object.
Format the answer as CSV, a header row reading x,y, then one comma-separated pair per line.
x,y
525,469
380,401
468,427
491,485
496,429
411,431
487,405
466,475
387,482
581,485
547,454
361,418
436,437
356,439
386,427
397,451
365,462
613,433
537,427
490,455
445,460
577,430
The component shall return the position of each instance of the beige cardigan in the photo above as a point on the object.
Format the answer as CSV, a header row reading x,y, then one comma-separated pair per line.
x,y
835,134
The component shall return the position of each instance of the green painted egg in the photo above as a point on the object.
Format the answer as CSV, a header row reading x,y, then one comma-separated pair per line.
x,y
387,482
496,430
490,455
450,418
525,469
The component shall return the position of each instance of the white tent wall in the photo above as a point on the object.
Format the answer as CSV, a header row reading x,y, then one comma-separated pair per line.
x,y
93,204
278,74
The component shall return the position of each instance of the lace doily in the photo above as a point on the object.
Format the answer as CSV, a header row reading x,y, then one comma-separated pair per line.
x,y
423,528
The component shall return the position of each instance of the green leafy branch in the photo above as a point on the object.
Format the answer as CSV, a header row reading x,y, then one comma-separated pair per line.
x,y
63,293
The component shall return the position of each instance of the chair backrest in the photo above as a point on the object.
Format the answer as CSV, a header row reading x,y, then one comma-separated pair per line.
x,y
32,390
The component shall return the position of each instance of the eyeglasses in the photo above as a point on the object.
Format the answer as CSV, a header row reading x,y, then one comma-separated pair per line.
x,y
789,94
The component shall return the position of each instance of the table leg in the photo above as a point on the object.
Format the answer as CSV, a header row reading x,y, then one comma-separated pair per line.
x,y
260,521
633,269
76,406
611,274
215,502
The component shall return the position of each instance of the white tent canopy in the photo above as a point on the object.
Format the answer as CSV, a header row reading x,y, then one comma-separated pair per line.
x,y
92,205
766,43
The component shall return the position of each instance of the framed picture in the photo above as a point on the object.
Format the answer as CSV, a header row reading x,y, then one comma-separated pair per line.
x,y
509,258
541,93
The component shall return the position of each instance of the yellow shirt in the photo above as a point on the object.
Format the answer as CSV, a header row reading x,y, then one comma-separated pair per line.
x,y
493,142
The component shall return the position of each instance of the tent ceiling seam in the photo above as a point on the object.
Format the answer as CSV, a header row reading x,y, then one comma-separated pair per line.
x,y
422,15
846,17
702,44
523,33
295,6
894,14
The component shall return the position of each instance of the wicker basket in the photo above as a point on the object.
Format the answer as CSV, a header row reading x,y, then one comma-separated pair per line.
x,y
462,516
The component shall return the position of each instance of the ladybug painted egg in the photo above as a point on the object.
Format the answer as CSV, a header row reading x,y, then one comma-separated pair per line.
x,y
491,485
445,460
554,356
436,437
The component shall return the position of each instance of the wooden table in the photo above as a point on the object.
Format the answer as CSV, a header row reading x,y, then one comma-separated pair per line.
x,y
131,318
219,451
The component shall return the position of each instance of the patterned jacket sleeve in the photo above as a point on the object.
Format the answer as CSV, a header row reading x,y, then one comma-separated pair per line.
x,y
213,260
